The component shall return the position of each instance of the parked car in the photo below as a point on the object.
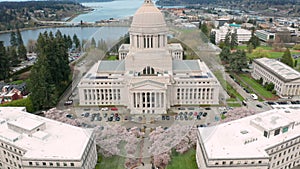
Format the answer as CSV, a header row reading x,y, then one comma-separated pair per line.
x,y
204,114
114,109
104,109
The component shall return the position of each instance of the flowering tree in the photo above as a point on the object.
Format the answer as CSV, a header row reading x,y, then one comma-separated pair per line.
x,y
180,137
115,140
238,113
61,116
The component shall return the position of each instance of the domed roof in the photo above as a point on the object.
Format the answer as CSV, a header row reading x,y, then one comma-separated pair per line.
x,y
148,19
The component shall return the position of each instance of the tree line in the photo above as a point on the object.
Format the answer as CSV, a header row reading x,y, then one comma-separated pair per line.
x,y
12,55
50,75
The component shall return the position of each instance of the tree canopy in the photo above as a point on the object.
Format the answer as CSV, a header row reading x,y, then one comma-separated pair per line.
x,y
51,73
287,58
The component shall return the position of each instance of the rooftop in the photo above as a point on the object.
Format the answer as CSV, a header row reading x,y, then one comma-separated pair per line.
x,y
279,69
240,134
56,141
111,66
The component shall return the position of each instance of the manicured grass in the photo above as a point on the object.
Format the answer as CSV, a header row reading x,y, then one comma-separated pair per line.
x,y
234,104
229,89
26,102
259,89
183,161
112,58
114,162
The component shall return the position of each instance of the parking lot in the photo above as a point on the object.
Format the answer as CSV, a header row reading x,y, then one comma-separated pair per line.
x,y
192,116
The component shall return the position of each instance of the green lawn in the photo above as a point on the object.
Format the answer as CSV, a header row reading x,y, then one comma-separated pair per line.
x,y
229,89
114,162
112,58
183,161
259,89
234,104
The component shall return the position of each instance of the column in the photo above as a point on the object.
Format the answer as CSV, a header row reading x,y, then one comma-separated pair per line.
x,y
150,100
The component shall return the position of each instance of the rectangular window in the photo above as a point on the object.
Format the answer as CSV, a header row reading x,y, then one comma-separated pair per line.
x,y
266,134
285,129
72,164
276,132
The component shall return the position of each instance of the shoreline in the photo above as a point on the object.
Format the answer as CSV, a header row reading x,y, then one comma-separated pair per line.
x,y
50,26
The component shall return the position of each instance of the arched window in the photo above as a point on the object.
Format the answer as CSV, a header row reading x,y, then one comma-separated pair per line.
x,y
148,71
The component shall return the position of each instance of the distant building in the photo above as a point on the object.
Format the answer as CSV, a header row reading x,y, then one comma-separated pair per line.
x,y
28,141
10,93
265,35
269,140
285,78
243,35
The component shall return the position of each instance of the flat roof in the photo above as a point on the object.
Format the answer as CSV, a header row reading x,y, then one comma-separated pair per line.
x,y
57,141
241,139
186,65
26,123
111,66
175,46
279,69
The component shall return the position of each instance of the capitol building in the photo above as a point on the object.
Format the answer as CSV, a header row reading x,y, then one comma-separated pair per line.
x,y
150,75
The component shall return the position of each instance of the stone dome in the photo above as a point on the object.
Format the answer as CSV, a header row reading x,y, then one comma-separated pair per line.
x,y
148,20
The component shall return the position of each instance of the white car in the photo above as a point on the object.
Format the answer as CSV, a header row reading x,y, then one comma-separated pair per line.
x,y
104,109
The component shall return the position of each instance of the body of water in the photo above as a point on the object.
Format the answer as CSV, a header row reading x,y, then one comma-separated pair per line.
x,y
117,9
109,34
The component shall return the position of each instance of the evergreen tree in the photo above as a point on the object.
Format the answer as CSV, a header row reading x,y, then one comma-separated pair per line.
x,y
13,39
225,54
287,58
93,43
213,37
238,61
69,42
51,73
22,52
76,41
234,40
4,63
254,41
13,56
227,39
204,29
102,45
19,39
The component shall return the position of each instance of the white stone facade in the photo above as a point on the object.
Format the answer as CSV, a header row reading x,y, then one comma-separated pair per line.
x,y
285,78
269,140
151,75
243,35
30,142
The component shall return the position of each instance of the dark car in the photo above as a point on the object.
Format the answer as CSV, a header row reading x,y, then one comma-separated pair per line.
x,y
167,117
163,117
207,108
259,106
204,114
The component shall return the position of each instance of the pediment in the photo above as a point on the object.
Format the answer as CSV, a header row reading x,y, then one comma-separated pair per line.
x,y
148,85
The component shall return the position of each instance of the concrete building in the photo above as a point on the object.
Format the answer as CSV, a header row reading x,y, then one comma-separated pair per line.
x,y
28,141
269,140
265,35
150,75
243,35
286,80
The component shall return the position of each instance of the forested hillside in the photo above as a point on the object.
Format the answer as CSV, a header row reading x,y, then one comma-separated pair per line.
x,y
246,2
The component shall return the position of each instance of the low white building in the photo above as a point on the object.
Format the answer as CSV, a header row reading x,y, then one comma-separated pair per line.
x,y
150,75
269,140
243,35
265,35
286,80
28,141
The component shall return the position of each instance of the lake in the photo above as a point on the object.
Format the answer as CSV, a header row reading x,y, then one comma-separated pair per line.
x,y
109,34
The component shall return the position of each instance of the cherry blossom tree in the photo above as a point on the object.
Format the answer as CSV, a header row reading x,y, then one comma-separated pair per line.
x,y
61,116
238,113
